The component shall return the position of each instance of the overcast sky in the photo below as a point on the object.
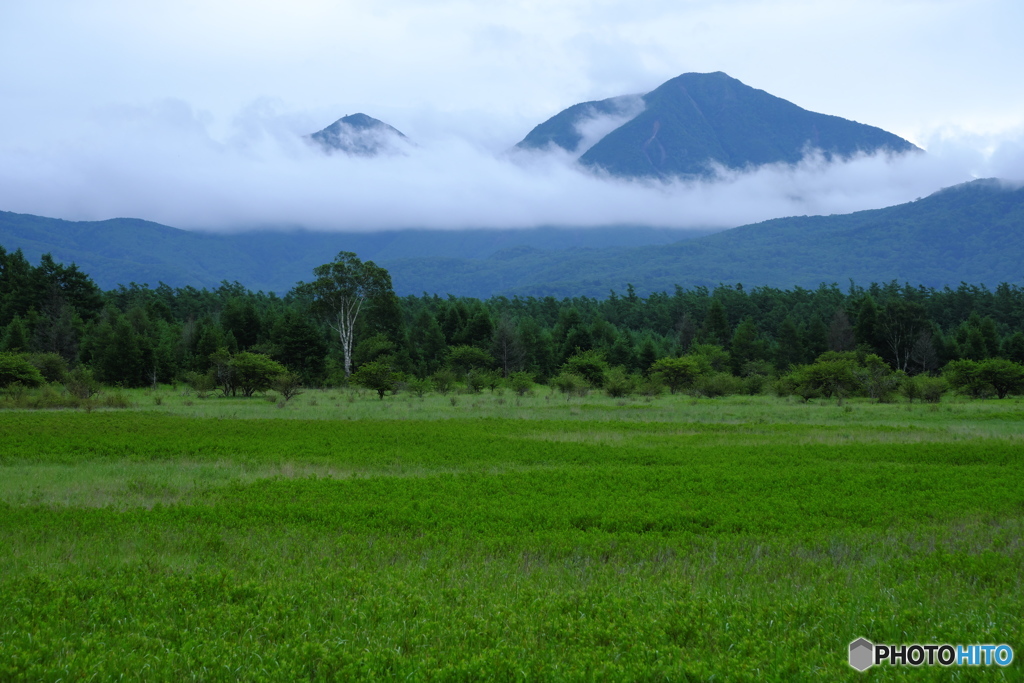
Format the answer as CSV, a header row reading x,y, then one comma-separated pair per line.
x,y
189,112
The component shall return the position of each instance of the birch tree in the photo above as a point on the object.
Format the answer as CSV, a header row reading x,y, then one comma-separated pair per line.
x,y
341,290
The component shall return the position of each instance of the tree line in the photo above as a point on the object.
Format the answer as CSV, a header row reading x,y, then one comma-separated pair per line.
x,y
740,338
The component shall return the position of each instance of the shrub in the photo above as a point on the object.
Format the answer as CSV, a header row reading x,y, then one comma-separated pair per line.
x,y
419,387
910,388
51,366
254,372
570,384
15,368
520,382
931,388
377,376
443,381
590,365
80,383
287,385
718,384
678,373
619,383
202,384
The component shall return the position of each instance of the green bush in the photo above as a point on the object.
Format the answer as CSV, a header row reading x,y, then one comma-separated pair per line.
x,y
443,380
16,369
619,383
51,366
377,376
521,382
590,365
570,384
81,384
718,384
931,388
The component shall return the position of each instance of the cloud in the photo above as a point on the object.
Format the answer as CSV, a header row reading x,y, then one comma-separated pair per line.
x,y
594,126
164,162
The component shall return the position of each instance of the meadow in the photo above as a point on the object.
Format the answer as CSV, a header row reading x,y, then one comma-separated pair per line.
x,y
496,537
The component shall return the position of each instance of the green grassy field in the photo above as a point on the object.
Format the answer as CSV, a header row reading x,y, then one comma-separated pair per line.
x,y
495,537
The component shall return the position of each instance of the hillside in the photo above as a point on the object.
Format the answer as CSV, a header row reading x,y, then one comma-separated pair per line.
x,y
124,250
696,120
971,233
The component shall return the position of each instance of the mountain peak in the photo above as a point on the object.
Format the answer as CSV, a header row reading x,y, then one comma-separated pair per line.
x,y
696,121
360,135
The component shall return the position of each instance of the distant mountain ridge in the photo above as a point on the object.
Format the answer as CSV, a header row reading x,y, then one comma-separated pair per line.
x,y
694,121
972,233
125,250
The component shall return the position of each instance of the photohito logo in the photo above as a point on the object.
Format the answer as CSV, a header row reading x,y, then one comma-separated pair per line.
x,y
864,654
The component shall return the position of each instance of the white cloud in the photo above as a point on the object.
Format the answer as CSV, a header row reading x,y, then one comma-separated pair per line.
x,y
161,162
191,113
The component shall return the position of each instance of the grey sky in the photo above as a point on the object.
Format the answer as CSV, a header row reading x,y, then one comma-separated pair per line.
x,y
186,112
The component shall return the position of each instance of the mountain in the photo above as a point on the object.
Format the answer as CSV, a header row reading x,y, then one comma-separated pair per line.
x,y
972,233
360,135
695,121
968,233
125,250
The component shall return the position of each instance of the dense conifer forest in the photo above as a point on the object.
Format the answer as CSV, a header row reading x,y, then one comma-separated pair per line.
x,y
731,339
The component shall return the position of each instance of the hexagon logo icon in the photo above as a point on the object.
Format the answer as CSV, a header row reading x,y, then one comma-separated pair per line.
x,y
861,654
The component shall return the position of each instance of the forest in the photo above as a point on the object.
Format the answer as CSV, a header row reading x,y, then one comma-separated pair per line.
x,y
728,339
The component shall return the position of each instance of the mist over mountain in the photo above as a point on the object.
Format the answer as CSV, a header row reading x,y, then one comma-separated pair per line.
x,y
124,250
690,124
972,233
359,135
968,233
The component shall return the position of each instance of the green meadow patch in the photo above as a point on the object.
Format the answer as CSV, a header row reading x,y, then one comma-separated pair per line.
x,y
158,545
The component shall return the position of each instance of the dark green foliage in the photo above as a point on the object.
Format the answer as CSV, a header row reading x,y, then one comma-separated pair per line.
x,y
716,384
377,375
678,373
300,347
81,383
745,346
570,384
52,367
590,365
15,337
1013,347
618,383
253,372
464,359
716,329
339,293
520,382
833,374
443,380
146,336
16,369
996,375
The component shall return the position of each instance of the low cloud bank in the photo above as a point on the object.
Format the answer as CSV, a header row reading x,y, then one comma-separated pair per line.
x,y
163,163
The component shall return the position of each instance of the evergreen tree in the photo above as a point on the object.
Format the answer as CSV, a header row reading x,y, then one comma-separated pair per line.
x,y
15,337
841,336
1013,347
866,330
789,345
745,346
716,329
300,347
